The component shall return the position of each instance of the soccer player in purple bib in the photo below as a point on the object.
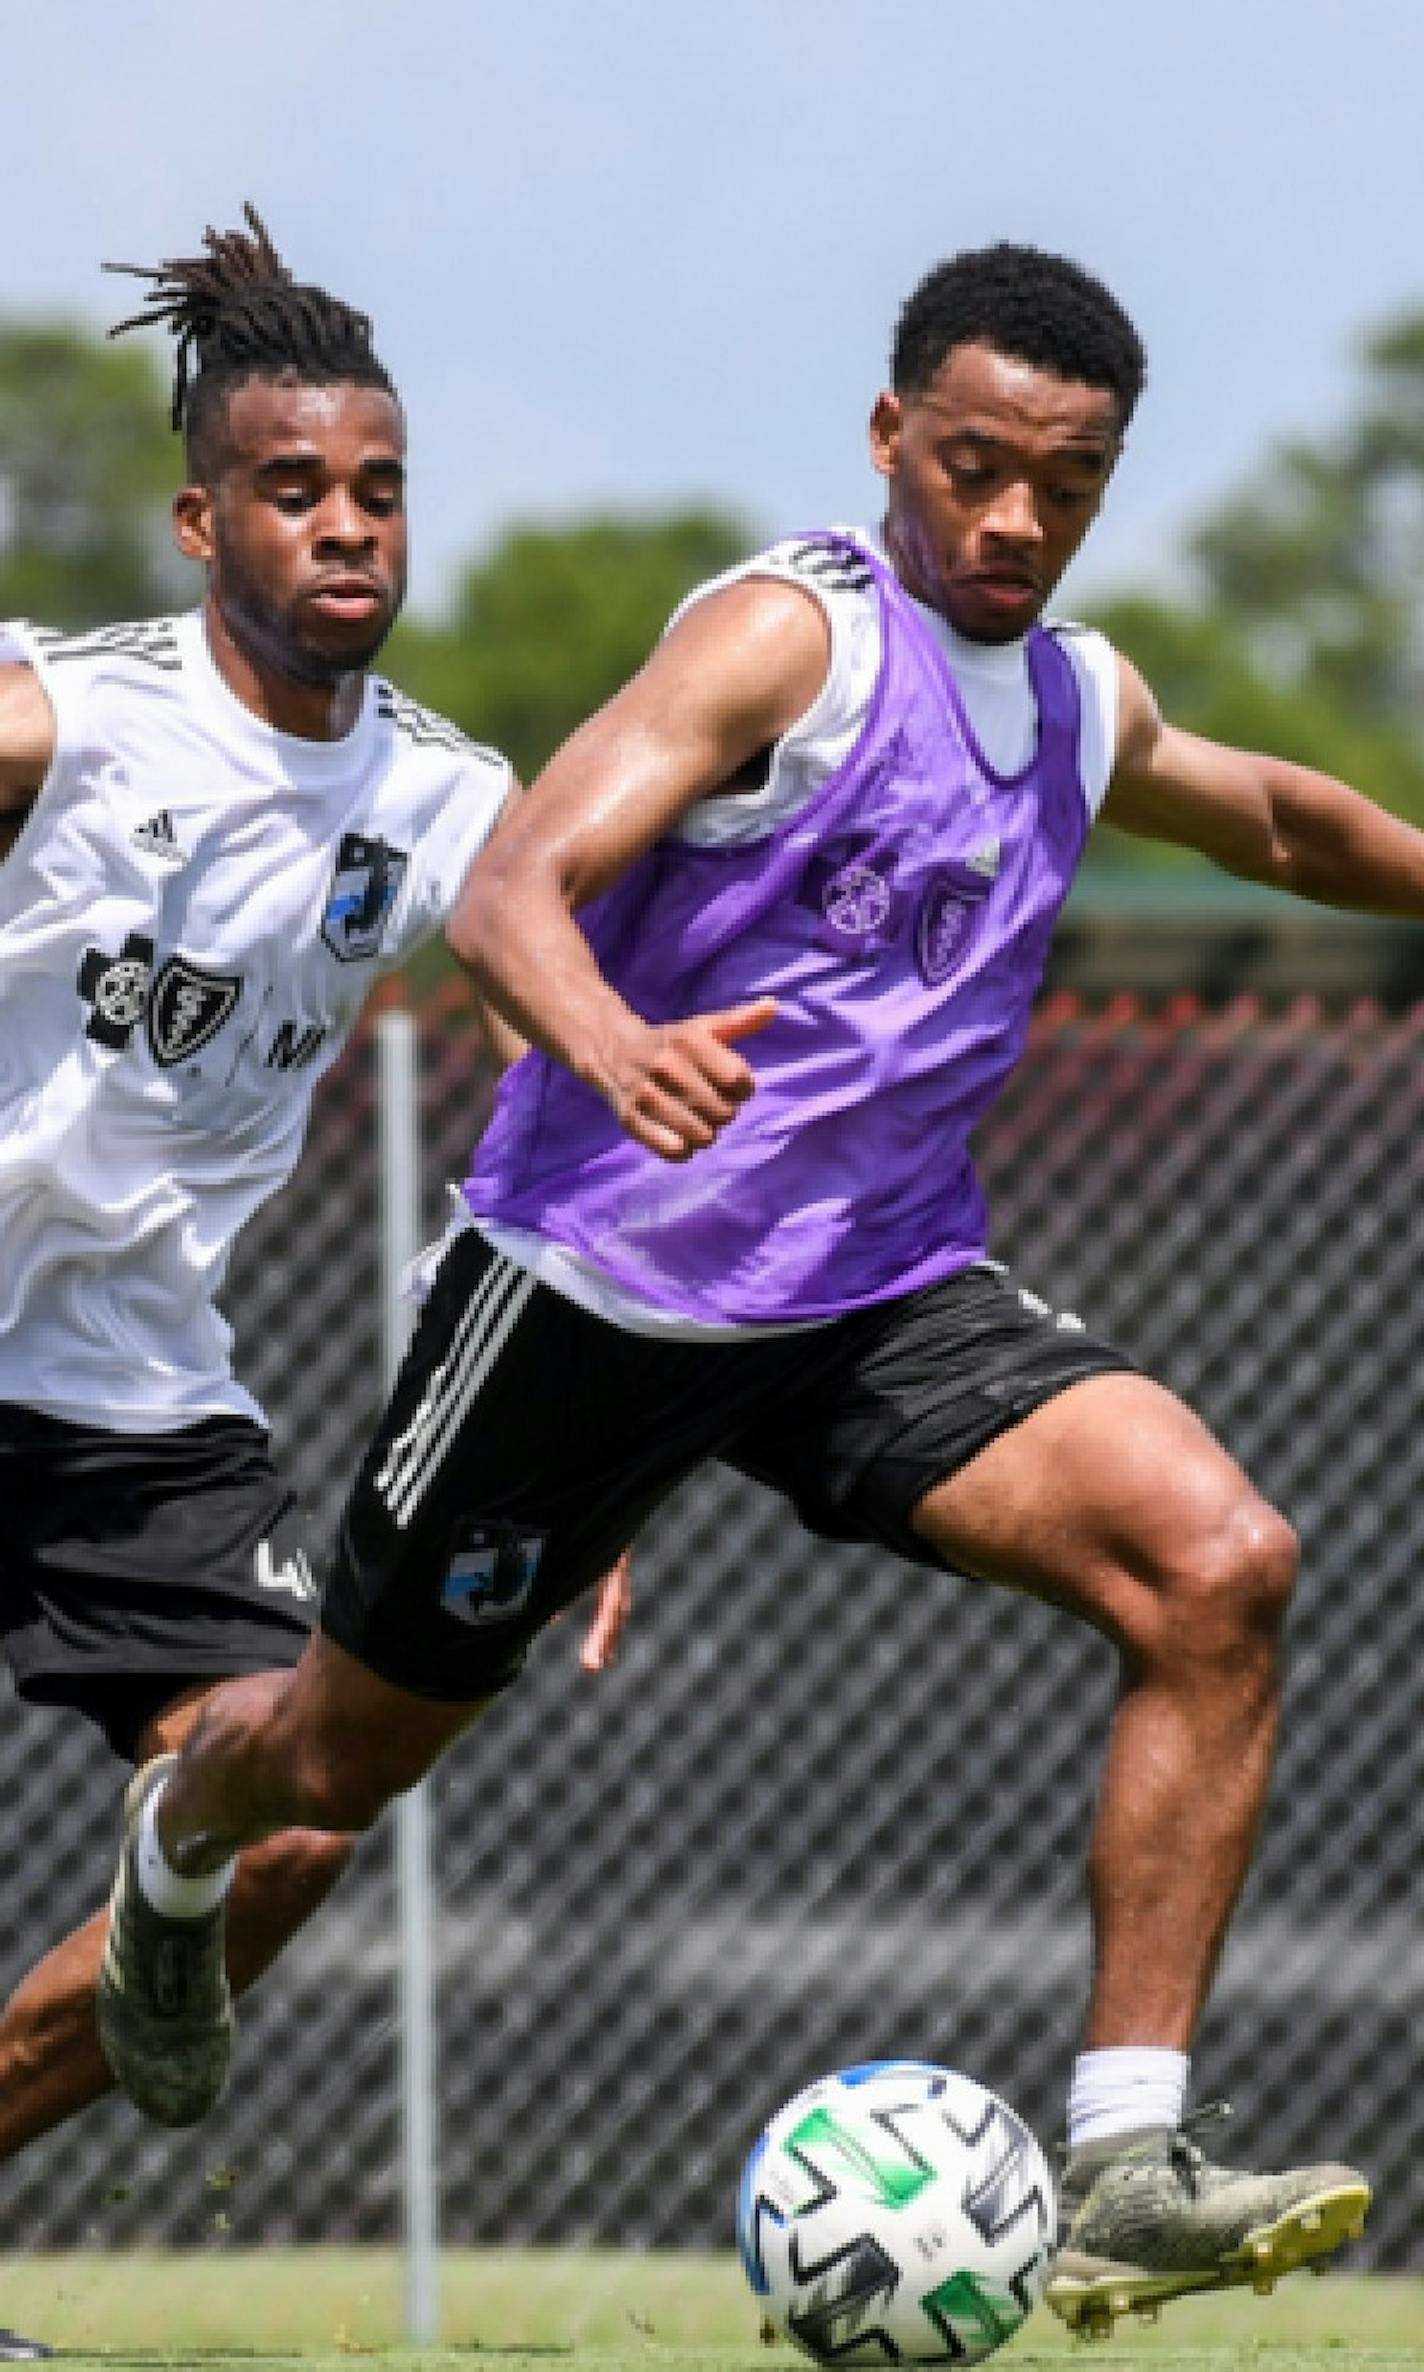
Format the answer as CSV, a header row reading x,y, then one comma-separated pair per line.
x,y
816,850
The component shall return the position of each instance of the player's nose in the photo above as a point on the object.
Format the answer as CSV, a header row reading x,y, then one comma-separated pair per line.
x,y
1013,516
343,525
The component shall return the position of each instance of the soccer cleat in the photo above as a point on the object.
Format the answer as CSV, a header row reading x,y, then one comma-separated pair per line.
x,y
17,2350
163,2005
1146,2217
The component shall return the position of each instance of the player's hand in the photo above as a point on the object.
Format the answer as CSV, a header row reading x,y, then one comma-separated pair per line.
x,y
677,1084
612,1606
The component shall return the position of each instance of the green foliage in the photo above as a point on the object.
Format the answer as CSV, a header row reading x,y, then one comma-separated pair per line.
x,y
87,466
1199,665
1308,636
547,628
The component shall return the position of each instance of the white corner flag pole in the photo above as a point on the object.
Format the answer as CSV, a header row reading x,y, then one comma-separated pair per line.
x,y
398,1106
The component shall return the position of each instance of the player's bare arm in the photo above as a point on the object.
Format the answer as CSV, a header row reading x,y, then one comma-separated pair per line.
x,y
1261,817
502,1041
26,747
730,679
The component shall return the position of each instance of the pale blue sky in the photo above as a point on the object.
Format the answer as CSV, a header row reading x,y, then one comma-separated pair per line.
x,y
629,252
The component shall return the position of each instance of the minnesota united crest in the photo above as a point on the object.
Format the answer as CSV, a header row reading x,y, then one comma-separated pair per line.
x,y
364,889
491,1573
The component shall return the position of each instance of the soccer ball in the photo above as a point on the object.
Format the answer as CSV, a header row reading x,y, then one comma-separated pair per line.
x,y
897,2213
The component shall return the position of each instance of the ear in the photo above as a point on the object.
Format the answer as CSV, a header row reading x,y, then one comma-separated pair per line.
x,y
193,522
886,422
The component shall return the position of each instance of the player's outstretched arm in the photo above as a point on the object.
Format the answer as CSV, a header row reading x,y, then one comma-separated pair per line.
x,y
729,679
26,746
1261,817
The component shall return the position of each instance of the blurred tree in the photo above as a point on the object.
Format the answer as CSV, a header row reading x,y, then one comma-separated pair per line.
x,y
1307,634
549,625
1323,557
87,466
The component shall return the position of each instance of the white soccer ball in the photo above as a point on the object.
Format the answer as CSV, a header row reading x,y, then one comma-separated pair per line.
x,y
897,2214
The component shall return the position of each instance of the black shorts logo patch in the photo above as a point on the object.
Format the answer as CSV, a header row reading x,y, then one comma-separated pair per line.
x,y
490,1574
187,1008
364,889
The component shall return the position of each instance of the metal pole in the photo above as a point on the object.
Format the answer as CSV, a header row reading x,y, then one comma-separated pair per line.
x,y
398,1103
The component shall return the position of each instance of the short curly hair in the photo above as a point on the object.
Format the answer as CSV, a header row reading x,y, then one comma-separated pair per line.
x,y
1037,307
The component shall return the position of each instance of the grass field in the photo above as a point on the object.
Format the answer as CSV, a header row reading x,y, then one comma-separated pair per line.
x,y
329,2310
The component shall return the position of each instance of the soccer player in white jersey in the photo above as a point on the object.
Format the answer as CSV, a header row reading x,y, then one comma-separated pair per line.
x,y
816,848
221,828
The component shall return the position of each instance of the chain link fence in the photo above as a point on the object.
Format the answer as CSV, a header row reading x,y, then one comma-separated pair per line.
x,y
827,1808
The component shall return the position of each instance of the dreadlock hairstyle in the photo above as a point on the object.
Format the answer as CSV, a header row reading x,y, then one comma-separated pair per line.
x,y
1039,308
236,313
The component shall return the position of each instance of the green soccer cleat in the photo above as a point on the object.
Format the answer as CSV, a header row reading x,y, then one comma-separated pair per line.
x,y
163,2005
1146,2217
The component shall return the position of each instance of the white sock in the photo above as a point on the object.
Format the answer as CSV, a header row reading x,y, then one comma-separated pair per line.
x,y
1122,2091
161,1887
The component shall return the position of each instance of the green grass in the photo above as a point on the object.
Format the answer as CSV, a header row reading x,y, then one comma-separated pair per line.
x,y
331,2310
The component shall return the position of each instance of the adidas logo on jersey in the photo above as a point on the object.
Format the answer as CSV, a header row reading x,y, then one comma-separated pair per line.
x,y
159,838
833,561
150,639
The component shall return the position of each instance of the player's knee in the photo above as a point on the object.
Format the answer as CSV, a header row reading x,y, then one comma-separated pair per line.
x,y
1225,1593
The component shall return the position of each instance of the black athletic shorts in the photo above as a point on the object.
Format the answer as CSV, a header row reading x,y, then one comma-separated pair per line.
x,y
134,1566
528,1441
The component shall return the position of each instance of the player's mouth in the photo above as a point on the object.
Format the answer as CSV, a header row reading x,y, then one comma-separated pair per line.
x,y
1003,589
350,599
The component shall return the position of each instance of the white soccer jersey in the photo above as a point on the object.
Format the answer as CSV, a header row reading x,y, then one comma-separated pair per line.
x,y
189,923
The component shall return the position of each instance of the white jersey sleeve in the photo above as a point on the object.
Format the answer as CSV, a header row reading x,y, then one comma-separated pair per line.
x,y
1095,664
824,736
470,785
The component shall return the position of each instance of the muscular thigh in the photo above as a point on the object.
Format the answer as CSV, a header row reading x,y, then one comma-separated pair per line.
x,y
1111,1489
975,1427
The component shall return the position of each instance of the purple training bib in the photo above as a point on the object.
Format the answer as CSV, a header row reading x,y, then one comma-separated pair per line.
x,y
901,919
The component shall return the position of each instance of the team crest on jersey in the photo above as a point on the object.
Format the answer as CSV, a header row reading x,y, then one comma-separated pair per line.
x,y
491,1573
116,990
363,892
948,911
187,1008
